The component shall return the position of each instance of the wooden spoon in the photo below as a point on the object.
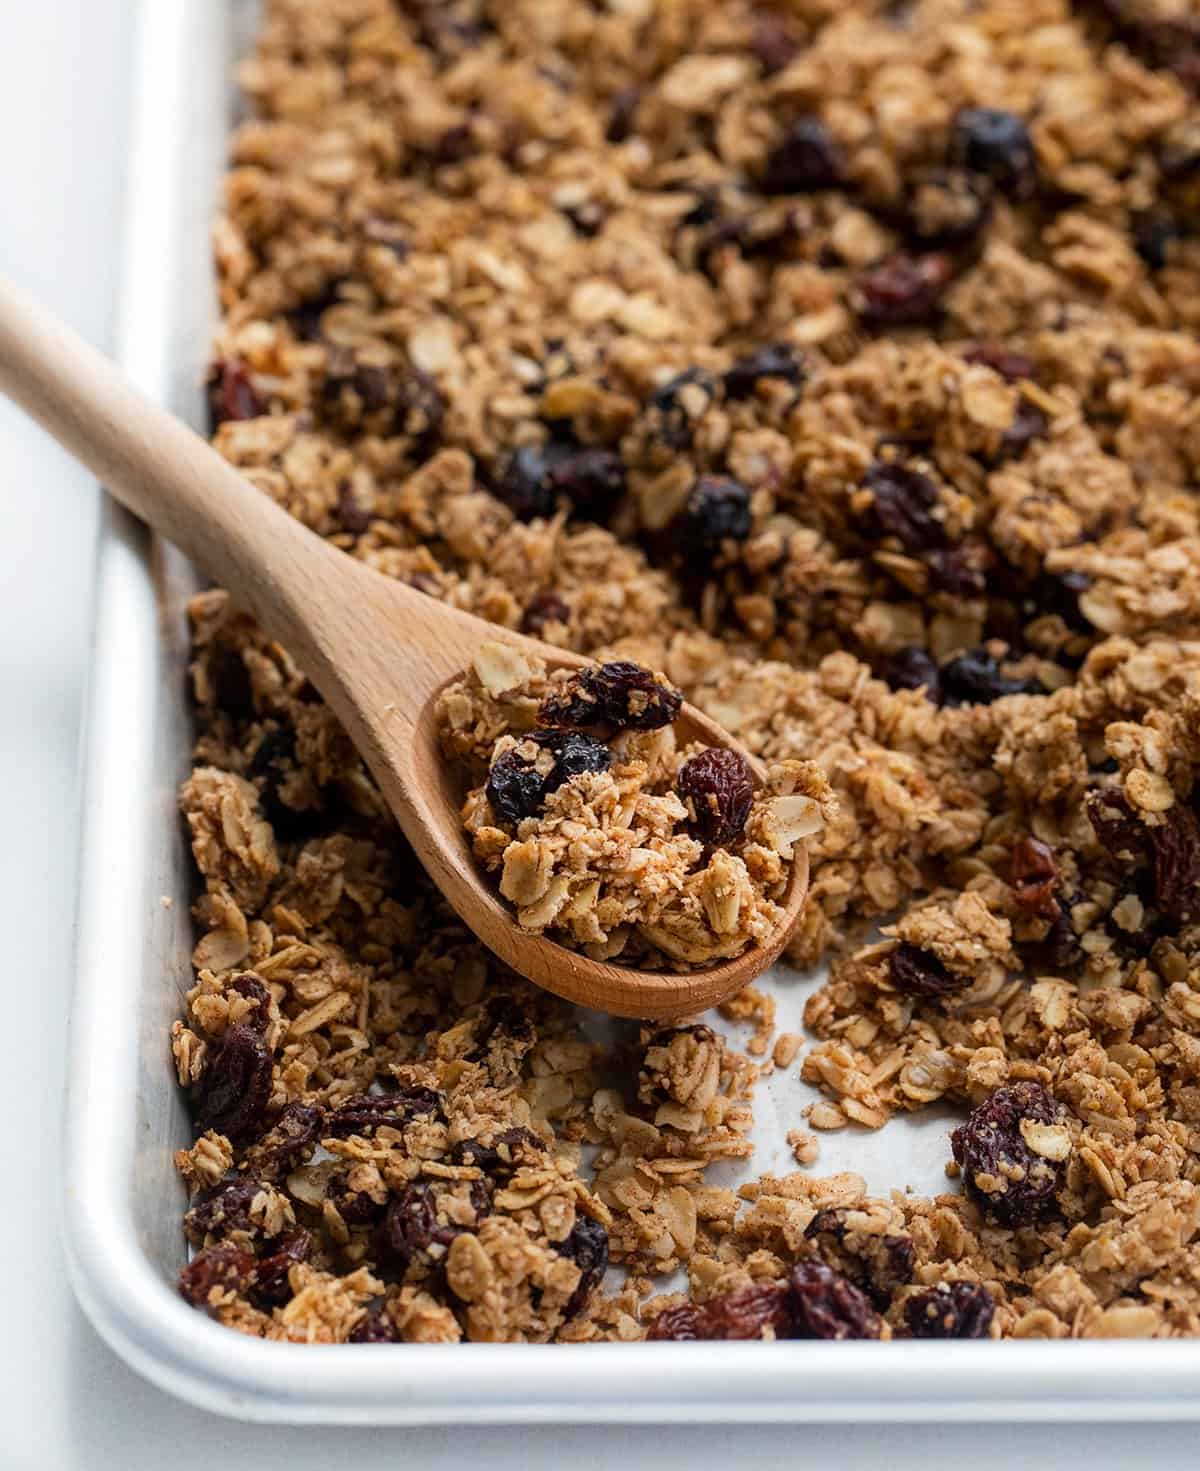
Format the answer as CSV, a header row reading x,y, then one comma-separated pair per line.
x,y
377,650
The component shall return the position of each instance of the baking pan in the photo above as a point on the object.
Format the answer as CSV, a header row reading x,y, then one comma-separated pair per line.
x,y
125,1115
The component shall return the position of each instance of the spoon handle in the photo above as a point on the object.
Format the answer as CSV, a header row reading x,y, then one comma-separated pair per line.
x,y
160,470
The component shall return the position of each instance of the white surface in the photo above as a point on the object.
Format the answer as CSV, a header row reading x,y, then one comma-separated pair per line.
x,y
65,1402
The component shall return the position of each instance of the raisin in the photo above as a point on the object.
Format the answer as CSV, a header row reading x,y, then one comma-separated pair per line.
x,y
950,1310
975,678
960,570
231,395
877,1264
717,787
622,109
504,1034
618,694
351,517
289,1141
823,1304
545,607
219,1268
411,1227
356,1207
420,411
775,360
271,1285
903,502
1176,848
741,1315
773,44
517,789
536,477
994,142
805,159
676,407
235,1086
509,1151
905,289
1154,231
914,668
1117,829
587,1247
1059,592
1021,1186
229,681
375,1325
306,319
916,972
946,207
250,988
1029,423
1011,366
717,510
1034,878
223,1211
366,1112
270,768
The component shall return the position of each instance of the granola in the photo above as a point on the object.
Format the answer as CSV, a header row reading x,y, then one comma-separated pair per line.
x,y
637,848
839,361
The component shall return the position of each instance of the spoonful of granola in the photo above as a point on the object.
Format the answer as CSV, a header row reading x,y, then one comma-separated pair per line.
x,y
645,864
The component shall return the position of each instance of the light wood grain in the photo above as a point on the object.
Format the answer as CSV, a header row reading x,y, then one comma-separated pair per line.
x,y
378,651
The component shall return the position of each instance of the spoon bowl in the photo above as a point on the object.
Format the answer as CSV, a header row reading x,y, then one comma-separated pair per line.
x,y
378,651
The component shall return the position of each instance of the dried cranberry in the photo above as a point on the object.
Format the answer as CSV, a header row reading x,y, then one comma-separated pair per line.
x,y
1176,846
619,694
289,1141
992,141
805,159
517,789
916,972
975,678
741,1315
1029,423
271,1285
591,479
775,360
375,1325
1009,1182
717,510
905,289
223,1211
823,1304
231,395
946,207
1011,366
1117,830
366,1112
960,570
223,1268
717,787
235,1086
914,668
903,503
1034,878
273,764
545,607
587,1247
675,408
950,1310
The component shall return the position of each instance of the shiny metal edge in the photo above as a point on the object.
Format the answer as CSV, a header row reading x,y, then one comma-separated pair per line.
x,y
127,1294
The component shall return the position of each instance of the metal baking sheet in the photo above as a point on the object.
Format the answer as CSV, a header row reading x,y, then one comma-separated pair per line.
x,y
125,1115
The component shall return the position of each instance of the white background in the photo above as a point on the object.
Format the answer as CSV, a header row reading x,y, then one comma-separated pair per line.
x,y
66,1403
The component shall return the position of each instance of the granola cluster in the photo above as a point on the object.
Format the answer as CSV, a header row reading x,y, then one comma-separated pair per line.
x,y
837,358
638,848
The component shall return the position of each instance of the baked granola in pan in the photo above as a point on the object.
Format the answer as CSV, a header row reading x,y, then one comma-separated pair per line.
x,y
836,358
